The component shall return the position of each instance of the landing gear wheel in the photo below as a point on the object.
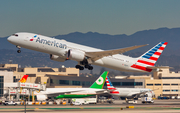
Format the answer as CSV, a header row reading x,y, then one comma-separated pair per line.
x,y
90,68
18,51
79,67
86,66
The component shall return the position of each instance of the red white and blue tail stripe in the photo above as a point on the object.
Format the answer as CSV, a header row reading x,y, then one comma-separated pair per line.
x,y
110,87
149,58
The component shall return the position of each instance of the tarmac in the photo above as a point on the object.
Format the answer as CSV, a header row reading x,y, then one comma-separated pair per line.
x,y
159,106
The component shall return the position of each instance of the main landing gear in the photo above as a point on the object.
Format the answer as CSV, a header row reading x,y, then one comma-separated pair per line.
x,y
19,49
82,68
79,67
84,64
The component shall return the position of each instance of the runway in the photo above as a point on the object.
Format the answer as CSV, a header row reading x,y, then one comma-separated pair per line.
x,y
160,106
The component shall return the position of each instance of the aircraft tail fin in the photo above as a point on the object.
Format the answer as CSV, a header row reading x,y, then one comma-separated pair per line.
x,y
150,57
110,87
23,79
99,83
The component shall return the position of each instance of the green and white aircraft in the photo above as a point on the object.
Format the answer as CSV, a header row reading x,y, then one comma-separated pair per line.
x,y
57,93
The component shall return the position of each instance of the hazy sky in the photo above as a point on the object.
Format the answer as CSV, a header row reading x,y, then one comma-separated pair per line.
x,y
54,17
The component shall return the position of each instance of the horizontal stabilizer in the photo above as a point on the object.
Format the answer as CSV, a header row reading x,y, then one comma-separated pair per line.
x,y
159,67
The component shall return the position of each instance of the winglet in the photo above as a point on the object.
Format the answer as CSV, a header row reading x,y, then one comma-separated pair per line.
x,y
23,79
99,83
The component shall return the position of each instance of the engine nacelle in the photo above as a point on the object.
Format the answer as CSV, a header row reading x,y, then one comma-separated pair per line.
x,y
75,55
57,58
41,97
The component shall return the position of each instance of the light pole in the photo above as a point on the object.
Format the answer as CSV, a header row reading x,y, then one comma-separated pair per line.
x,y
25,105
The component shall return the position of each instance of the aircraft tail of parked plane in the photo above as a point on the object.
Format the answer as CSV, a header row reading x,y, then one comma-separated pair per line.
x,y
128,92
148,59
110,87
23,79
99,83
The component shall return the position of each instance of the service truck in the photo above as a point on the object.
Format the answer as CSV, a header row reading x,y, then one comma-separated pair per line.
x,y
147,100
85,100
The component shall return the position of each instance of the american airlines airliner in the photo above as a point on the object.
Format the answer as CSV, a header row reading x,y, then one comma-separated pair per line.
x,y
128,92
61,50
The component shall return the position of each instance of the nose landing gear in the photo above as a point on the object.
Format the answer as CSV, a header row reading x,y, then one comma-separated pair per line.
x,y
19,49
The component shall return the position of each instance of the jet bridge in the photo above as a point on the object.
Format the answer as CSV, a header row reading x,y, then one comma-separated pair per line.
x,y
22,89
41,87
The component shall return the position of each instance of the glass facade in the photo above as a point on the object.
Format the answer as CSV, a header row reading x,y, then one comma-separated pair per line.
x,y
127,83
76,83
1,85
174,90
149,84
64,82
86,83
89,83
157,84
166,84
174,84
14,79
138,83
165,90
45,70
117,83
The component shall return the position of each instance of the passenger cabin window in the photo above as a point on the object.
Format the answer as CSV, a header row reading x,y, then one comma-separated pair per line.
x,y
14,34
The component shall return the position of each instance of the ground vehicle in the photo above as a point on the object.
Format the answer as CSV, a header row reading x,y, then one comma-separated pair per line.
x,y
147,100
76,103
85,100
131,101
10,103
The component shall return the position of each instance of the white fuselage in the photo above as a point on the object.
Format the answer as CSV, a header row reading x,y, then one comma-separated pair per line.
x,y
60,47
68,93
129,92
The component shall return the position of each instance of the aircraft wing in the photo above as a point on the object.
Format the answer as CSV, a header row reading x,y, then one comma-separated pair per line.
x,y
100,54
102,91
144,92
57,93
138,94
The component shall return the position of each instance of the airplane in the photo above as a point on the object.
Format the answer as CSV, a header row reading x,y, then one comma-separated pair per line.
x,y
128,93
61,50
57,93
23,79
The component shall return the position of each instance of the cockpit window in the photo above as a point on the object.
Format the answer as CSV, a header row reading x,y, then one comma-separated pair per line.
x,y
14,34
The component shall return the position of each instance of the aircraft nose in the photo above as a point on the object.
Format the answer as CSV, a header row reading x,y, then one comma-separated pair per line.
x,y
9,39
12,37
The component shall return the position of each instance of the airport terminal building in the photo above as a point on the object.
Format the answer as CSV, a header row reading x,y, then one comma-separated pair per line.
x,y
164,82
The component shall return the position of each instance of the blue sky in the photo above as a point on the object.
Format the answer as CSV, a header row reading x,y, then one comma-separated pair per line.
x,y
54,17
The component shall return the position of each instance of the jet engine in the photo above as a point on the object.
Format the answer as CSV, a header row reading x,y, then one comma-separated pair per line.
x,y
75,55
57,58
